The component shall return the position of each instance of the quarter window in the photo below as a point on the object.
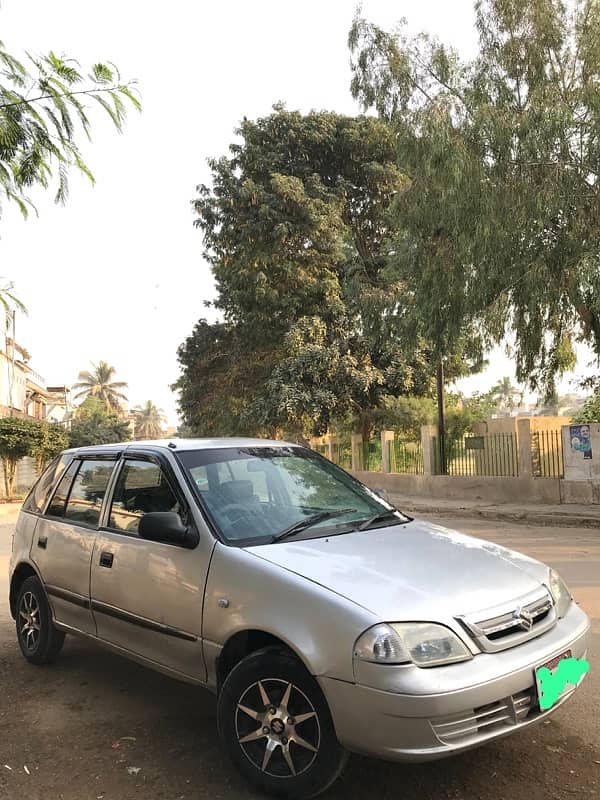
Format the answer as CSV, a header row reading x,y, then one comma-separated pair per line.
x,y
142,487
85,499
59,500
38,496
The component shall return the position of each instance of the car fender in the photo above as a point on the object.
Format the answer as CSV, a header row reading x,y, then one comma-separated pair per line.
x,y
246,592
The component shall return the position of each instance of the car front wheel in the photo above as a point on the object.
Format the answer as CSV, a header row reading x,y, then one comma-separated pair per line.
x,y
275,724
39,640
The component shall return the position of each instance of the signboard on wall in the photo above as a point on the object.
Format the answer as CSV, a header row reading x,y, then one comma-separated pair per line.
x,y
581,442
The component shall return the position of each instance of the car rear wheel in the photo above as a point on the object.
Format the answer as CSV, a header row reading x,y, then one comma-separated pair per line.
x,y
39,640
275,724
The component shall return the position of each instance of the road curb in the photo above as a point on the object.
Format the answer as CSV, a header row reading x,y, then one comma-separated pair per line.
x,y
523,516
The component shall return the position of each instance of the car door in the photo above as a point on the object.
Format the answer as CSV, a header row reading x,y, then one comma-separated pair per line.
x,y
147,596
64,539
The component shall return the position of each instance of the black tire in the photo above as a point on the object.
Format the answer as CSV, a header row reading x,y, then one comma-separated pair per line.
x,y
265,676
39,640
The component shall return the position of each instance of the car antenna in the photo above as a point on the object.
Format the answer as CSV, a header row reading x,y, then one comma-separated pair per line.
x,y
172,445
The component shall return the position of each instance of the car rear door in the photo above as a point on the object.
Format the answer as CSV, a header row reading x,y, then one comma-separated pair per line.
x,y
64,540
147,596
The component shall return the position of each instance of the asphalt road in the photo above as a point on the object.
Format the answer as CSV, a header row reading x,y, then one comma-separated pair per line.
x,y
71,731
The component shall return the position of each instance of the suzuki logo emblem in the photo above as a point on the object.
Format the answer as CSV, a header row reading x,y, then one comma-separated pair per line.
x,y
523,618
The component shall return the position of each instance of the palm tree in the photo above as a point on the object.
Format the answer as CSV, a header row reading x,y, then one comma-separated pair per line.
x,y
504,393
99,383
148,421
9,302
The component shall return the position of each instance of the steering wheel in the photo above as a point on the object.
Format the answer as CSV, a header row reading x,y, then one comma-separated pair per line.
x,y
230,509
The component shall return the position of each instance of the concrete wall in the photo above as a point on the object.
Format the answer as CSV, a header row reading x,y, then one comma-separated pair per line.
x,y
488,490
26,476
511,424
579,464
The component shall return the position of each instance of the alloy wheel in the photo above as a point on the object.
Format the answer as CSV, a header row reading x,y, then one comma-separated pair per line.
x,y
277,728
30,624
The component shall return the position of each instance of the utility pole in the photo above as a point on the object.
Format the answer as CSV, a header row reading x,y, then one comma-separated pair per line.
x,y
10,360
441,416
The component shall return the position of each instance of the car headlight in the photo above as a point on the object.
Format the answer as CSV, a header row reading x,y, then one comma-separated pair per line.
x,y
422,643
560,593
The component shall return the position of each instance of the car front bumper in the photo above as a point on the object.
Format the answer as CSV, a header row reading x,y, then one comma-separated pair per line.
x,y
437,712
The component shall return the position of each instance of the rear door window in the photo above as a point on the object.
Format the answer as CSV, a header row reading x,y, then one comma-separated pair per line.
x,y
81,491
87,495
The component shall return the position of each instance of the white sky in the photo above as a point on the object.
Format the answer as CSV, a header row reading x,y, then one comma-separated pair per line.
x,y
118,273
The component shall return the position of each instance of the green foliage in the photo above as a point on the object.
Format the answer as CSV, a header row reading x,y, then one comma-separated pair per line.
x,y
505,394
463,412
42,109
591,409
9,302
99,384
296,228
18,438
499,229
218,375
94,423
148,421
52,439
406,416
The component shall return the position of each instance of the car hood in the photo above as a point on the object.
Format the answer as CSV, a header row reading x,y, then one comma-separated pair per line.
x,y
415,571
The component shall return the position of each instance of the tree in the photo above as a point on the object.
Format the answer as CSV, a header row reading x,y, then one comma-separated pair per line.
x,y
504,393
406,416
51,439
148,421
9,302
508,145
591,409
18,438
42,110
464,412
315,325
99,383
94,423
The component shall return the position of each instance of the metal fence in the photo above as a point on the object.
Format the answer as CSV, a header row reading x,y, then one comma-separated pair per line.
x,y
341,454
323,449
405,457
369,456
491,455
547,454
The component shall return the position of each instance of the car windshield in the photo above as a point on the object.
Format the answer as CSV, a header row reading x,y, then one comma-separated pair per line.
x,y
255,494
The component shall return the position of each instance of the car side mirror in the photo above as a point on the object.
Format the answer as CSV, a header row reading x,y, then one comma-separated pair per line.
x,y
167,527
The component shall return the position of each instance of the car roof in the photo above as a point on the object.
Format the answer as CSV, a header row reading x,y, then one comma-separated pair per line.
x,y
180,445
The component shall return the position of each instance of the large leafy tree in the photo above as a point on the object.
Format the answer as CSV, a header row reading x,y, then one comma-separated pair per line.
x,y
94,423
51,439
296,227
99,383
18,438
499,229
44,109
148,421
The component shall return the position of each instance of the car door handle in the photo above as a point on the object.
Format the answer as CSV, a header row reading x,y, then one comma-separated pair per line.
x,y
106,559
42,542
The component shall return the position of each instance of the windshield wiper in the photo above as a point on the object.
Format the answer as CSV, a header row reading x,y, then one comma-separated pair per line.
x,y
381,516
307,522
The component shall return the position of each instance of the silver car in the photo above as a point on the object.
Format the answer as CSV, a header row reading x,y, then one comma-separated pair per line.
x,y
325,620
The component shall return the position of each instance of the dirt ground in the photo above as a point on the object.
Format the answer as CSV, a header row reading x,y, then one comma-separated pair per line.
x,y
96,727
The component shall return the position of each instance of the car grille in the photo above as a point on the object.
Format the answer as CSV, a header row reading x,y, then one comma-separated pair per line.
x,y
479,722
509,625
